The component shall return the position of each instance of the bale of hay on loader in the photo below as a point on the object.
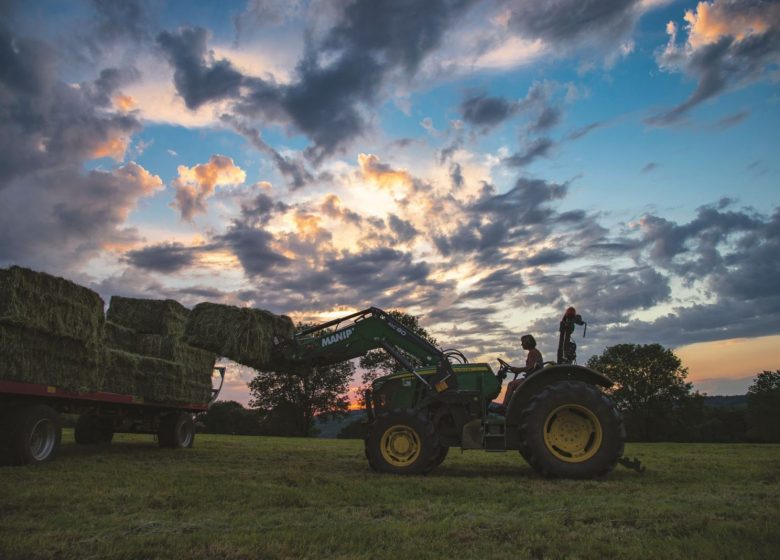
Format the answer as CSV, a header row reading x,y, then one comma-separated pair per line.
x,y
243,334
148,316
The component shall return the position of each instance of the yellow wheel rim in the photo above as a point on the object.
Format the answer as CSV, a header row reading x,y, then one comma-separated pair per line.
x,y
572,433
400,446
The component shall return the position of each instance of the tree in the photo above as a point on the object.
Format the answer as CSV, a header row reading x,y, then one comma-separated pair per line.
x,y
230,417
764,407
651,390
288,399
378,362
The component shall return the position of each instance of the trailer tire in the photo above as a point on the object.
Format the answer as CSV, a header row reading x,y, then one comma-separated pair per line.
x,y
91,429
33,436
177,431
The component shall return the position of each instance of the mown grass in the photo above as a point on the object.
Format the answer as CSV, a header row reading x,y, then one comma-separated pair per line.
x,y
245,497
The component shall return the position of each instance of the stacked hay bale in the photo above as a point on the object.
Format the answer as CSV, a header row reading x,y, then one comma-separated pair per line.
x,y
51,331
146,356
243,334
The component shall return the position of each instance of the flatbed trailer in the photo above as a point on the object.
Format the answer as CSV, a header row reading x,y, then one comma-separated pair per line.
x,y
31,427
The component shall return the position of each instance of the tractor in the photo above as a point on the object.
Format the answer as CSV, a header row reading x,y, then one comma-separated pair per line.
x,y
559,418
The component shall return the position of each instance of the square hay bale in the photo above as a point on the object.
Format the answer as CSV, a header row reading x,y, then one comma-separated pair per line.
x,y
142,376
243,334
31,356
118,337
37,300
148,316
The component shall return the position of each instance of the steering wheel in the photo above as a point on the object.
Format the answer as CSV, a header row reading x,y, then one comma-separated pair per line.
x,y
502,371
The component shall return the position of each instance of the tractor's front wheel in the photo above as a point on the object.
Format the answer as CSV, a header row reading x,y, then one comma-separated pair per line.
x,y
403,442
571,430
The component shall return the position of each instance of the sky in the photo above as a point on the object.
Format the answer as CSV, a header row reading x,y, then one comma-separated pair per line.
x,y
480,164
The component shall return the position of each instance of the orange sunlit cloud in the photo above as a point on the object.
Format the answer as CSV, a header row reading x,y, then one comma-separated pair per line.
x,y
730,359
115,148
381,174
195,184
713,20
124,103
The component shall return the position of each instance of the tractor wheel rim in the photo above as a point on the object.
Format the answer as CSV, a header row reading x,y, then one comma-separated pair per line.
x,y
42,439
400,446
572,433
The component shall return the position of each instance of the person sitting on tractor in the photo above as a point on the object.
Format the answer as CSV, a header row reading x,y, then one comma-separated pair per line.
x,y
533,362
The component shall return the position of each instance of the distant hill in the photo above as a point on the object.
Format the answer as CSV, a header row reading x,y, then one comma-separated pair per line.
x,y
330,428
730,401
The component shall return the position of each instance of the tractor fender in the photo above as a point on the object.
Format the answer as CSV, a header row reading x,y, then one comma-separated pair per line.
x,y
538,380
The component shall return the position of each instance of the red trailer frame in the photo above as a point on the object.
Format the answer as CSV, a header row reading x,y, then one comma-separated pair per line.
x,y
30,427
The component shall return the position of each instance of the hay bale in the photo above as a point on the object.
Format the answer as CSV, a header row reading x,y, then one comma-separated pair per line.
x,y
32,356
148,316
36,300
118,337
242,334
152,378
198,364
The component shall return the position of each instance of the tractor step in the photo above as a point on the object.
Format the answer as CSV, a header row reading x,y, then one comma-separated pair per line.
x,y
493,435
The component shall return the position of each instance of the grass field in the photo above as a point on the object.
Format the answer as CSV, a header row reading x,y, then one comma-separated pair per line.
x,y
252,497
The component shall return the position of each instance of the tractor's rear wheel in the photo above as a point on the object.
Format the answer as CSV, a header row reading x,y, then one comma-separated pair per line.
x,y
403,442
571,430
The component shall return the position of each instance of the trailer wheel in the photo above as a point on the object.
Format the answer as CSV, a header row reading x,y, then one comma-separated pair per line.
x,y
571,430
177,430
33,436
403,442
91,429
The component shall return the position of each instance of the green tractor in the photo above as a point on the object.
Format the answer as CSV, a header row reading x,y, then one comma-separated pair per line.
x,y
559,418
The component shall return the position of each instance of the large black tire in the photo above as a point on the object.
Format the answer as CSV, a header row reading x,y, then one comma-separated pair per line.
x,y
177,430
441,456
33,435
571,430
91,430
402,442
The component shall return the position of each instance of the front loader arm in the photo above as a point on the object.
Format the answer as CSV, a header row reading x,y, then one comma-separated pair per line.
x,y
356,334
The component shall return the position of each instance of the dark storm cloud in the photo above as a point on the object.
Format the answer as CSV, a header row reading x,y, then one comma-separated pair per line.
x,y
293,171
728,62
165,257
541,147
486,112
547,119
565,22
404,230
108,83
199,78
52,212
326,101
252,247
456,175
128,19
548,257
497,285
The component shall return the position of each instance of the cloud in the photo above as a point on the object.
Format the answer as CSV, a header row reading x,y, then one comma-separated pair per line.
x,y
567,23
198,76
381,174
486,112
165,257
729,44
76,216
649,168
541,147
732,120
196,184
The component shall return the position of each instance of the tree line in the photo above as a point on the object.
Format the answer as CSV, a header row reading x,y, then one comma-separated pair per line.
x,y
651,390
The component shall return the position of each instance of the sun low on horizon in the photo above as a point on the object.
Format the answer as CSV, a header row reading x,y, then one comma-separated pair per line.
x,y
481,165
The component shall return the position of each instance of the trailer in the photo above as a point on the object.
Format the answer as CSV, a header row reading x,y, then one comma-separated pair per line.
x,y
31,427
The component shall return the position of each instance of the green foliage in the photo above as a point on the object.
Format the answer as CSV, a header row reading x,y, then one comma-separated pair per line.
x,y
657,402
353,430
289,399
241,498
764,407
230,417
378,362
